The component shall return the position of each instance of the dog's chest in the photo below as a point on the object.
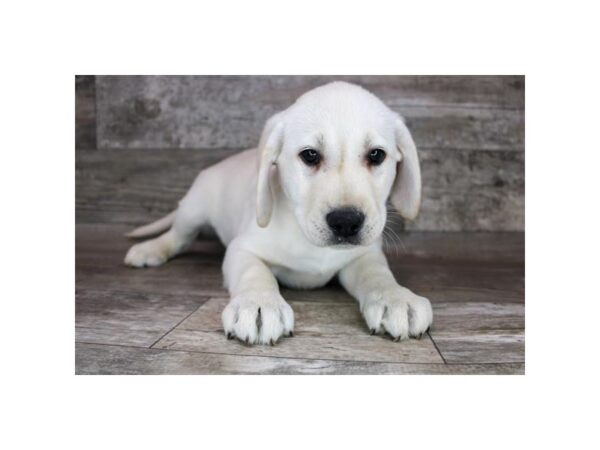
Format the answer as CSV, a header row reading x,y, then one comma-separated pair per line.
x,y
302,267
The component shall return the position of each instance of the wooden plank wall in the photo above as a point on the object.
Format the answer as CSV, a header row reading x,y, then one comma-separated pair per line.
x,y
153,134
85,112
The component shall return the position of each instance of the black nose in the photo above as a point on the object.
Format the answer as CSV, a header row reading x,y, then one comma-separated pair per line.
x,y
345,222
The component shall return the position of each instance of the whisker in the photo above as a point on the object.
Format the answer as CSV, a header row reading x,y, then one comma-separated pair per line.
x,y
391,242
399,240
392,236
385,241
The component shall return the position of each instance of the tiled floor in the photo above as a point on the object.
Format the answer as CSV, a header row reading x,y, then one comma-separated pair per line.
x,y
166,320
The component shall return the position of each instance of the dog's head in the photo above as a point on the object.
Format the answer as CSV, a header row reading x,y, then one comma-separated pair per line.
x,y
337,154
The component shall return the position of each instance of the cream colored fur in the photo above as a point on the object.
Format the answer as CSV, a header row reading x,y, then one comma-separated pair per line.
x,y
269,208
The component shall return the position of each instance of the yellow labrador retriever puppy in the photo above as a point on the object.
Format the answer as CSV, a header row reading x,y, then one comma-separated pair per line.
x,y
307,205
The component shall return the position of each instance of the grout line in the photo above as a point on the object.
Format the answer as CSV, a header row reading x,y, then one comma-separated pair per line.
x,y
437,348
177,324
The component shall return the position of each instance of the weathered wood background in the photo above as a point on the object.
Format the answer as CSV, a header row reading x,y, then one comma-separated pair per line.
x,y
141,140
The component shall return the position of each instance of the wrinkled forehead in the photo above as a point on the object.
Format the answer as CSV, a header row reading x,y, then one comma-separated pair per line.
x,y
332,120
325,129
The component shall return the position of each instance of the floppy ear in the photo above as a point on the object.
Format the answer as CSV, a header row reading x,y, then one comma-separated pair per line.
x,y
406,192
269,148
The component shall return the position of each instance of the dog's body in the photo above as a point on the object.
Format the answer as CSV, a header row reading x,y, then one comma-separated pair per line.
x,y
314,208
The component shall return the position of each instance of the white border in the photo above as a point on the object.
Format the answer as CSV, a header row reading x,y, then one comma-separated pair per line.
x,y
46,43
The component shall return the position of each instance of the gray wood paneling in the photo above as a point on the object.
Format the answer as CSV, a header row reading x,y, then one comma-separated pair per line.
x,y
129,317
472,191
456,282
360,347
85,111
497,247
476,316
447,112
108,359
480,332
117,336
488,346
134,186
99,266
462,190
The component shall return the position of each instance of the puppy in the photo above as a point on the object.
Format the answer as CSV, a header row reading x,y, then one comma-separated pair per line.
x,y
307,205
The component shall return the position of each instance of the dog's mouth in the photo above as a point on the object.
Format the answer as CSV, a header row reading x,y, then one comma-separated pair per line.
x,y
344,242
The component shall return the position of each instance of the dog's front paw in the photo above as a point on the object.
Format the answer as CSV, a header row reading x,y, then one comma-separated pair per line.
x,y
398,312
258,317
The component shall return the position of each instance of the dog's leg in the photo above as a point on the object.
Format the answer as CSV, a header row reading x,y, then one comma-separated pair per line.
x,y
256,313
189,219
385,305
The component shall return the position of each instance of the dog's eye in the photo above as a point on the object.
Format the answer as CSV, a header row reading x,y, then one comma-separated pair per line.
x,y
310,157
376,156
